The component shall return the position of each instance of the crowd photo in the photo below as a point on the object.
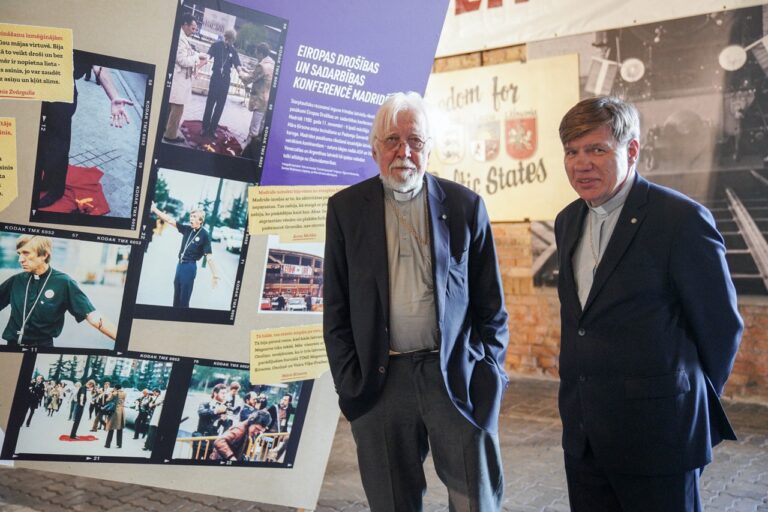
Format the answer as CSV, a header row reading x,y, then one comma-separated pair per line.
x,y
226,418
92,406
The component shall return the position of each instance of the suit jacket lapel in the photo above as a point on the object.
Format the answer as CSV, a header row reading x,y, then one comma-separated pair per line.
x,y
630,219
373,213
572,235
439,216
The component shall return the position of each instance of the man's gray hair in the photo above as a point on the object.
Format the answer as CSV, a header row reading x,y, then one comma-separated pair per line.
x,y
395,103
619,115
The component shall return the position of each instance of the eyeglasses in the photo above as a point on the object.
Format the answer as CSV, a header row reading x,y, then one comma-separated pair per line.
x,y
394,142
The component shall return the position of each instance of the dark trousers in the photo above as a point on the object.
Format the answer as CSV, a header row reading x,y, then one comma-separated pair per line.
x,y
53,146
214,103
31,413
149,444
78,416
591,488
412,415
141,423
183,283
119,438
44,343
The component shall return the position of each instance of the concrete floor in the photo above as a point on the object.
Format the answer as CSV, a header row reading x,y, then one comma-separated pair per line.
x,y
737,481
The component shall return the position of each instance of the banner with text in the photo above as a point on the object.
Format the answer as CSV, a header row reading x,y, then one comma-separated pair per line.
x,y
474,25
332,82
495,132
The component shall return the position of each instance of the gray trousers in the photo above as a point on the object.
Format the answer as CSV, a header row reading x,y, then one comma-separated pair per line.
x,y
412,415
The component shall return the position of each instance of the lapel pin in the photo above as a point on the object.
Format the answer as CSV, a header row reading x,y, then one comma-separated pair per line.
x,y
633,220
444,216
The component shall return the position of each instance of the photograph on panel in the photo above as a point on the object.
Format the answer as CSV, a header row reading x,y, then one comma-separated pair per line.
x,y
61,291
228,419
293,278
196,248
221,79
700,85
90,153
84,405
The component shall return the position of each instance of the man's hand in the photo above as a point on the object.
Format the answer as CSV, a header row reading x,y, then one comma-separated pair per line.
x,y
118,115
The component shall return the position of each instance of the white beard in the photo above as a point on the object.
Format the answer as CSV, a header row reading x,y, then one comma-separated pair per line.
x,y
403,180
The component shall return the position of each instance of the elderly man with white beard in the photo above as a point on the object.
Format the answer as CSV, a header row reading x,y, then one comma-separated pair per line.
x,y
414,322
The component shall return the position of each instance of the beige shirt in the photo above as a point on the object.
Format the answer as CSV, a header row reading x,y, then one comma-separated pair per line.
x,y
412,316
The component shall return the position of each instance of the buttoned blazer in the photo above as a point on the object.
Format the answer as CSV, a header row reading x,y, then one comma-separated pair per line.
x,y
472,319
643,363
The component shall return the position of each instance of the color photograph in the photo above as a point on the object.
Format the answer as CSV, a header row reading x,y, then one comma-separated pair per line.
x,y
227,419
223,66
61,293
96,406
197,246
293,278
90,153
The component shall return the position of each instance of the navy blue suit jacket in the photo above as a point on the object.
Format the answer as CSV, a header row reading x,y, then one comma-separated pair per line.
x,y
472,319
643,363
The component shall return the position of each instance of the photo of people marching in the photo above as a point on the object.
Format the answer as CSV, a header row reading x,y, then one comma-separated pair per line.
x,y
93,406
226,418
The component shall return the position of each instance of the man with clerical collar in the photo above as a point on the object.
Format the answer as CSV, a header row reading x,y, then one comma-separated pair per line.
x,y
40,295
649,324
195,243
414,322
225,57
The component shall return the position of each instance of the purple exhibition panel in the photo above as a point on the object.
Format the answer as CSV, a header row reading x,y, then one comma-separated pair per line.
x,y
337,66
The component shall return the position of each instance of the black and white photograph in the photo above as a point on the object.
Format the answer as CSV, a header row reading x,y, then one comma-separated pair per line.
x,y
88,407
90,153
293,278
219,92
63,290
196,244
229,420
701,87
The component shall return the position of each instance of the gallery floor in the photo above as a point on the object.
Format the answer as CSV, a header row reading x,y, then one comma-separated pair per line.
x,y
530,438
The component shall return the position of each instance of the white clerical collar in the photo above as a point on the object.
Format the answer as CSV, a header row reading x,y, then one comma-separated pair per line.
x,y
618,199
402,197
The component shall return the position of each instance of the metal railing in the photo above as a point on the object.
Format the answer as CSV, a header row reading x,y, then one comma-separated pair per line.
x,y
754,239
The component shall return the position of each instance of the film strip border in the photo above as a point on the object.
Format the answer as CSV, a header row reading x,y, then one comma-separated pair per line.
x,y
86,297
179,390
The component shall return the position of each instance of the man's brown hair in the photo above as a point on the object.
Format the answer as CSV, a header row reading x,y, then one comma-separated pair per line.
x,y
38,244
619,115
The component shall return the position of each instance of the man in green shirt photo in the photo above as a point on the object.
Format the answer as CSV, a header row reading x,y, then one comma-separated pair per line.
x,y
40,295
